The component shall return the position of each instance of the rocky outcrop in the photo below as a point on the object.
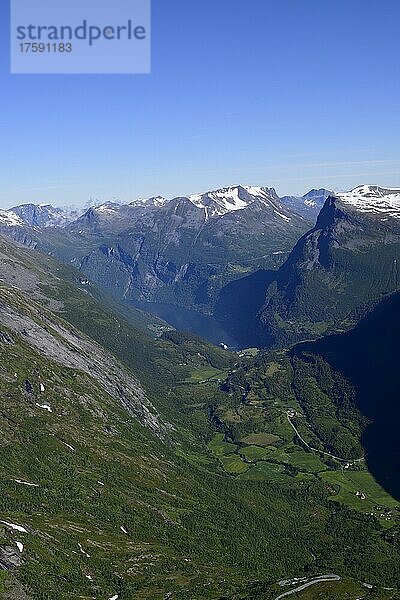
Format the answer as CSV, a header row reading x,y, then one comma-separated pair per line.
x,y
61,343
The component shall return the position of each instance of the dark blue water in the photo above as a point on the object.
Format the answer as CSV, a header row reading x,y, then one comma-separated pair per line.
x,y
191,321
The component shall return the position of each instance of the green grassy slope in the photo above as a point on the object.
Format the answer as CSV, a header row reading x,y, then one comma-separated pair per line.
x,y
120,509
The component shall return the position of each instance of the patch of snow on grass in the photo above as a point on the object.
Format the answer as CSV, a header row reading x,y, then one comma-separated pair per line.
x,y
68,446
45,407
26,483
14,526
83,551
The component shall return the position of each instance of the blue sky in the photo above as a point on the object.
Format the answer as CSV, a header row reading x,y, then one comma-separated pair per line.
x,y
287,93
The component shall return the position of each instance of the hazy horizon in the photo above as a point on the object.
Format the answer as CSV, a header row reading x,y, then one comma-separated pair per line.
x,y
86,204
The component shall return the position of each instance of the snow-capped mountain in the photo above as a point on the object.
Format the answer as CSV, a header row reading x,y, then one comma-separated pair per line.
x,y
9,218
115,216
238,197
178,251
43,215
97,216
215,203
183,251
316,198
108,208
205,207
347,262
308,205
155,201
373,200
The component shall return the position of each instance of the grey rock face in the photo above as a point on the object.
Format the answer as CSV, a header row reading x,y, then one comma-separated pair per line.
x,y
60,342
43,215
22,275
335,274
183,251
10,557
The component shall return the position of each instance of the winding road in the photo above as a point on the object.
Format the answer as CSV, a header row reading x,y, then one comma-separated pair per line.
x,y
341,460
322,578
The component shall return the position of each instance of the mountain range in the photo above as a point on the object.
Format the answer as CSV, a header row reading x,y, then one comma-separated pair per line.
x,y
215,203
43,215
178,252
335,274
308,205
225,256
138,461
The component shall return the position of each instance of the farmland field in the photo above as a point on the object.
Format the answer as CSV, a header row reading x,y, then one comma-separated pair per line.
x,y
233,464
359,481
264,471
219,447
260,439
255,453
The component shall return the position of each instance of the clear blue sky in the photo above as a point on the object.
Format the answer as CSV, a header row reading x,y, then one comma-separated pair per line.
x,y
287,93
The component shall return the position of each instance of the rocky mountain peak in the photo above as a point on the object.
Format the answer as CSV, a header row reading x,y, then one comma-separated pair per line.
x,y
43,215
234,198
154,201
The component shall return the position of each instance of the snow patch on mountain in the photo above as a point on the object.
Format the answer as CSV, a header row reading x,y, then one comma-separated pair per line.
x,y
227,199
234,198
156,201
373,199
21,482
15,527
308,205
281,215
107,207
9,218
43,215
311,203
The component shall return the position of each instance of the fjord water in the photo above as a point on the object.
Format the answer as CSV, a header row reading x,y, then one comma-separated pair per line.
x,y
184,319
383,454
368,357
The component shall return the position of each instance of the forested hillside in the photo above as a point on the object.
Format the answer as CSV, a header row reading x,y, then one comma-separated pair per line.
x,y
129,458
